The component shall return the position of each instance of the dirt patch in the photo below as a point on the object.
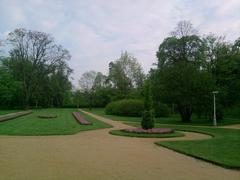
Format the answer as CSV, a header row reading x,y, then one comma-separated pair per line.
x,y
98,155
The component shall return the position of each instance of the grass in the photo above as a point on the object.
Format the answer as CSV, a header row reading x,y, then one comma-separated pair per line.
x,y
222,149
62,125
173,119
142,135
3,112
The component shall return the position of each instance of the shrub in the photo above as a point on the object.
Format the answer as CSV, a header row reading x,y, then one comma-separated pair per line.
x,y
161,110
125,107
147,120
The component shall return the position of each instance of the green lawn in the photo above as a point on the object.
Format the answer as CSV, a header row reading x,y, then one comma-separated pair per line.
x,y
223,149
33,125
3,112
173,119
142,135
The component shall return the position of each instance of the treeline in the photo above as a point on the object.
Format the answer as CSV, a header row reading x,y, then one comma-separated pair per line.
x,y
35,73
189,68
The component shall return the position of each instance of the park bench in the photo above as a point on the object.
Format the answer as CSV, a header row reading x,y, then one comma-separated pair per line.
x,y
14,115
80,119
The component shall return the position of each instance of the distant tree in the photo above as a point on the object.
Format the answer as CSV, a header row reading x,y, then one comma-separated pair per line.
x,y
184,28
126,74
10,90
183,46
86,83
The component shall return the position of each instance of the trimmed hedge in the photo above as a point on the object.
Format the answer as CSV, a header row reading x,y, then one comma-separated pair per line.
x,y
147,120
125,107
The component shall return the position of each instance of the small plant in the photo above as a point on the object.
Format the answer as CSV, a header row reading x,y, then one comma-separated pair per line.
x,y
147,117
147,120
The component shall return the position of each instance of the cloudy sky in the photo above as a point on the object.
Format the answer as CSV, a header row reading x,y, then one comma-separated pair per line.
x,y
96,31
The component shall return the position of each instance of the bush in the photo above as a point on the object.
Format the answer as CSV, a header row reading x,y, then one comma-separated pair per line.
x,y
161,110
147,120
125,107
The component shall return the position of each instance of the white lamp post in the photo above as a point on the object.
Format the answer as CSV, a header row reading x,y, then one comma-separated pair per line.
x,y
214,108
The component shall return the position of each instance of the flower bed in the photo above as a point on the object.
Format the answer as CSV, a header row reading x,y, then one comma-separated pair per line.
x,y
14,115
47,116
80,119
149,131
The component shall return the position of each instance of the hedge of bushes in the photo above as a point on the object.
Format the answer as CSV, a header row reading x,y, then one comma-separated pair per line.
x,y
125,107
161,110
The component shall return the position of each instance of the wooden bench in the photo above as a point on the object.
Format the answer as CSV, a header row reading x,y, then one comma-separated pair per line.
x,y
80,119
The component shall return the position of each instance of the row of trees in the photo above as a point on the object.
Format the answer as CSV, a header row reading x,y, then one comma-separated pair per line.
x,y
189,68
35,73
124,80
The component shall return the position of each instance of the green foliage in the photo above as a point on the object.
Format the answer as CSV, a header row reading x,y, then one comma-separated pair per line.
x,y
63,124
125,74
186,86
147,120
37,71
161,110
126,107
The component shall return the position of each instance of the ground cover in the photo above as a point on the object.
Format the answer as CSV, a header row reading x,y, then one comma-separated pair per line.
x,y
64,124
222,149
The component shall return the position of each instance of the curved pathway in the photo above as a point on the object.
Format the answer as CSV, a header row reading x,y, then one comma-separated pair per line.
x,y
98,155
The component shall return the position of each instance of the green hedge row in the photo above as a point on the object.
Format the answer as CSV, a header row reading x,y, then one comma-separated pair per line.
x,y
125,107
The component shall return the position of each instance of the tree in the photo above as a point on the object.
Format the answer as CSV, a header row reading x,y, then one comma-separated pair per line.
x,y
10,90
147,119
187,87
86,83
182,47
34,58
184,28
126,74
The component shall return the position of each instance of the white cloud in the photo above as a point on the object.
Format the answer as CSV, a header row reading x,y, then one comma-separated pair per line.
x,y
96,31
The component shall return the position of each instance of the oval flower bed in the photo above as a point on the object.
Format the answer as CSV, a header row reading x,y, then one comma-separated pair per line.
x,y
150,133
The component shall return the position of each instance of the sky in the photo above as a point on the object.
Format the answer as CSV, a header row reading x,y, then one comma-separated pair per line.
x,y
97,31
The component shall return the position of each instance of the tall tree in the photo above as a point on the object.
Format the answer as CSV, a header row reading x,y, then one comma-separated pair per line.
x,y
126,74
34,55
180,73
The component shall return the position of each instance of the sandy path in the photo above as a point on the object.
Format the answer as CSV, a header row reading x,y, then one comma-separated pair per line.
x,y
97,155
234,126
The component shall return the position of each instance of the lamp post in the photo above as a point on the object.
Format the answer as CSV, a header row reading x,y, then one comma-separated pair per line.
x,y
214,108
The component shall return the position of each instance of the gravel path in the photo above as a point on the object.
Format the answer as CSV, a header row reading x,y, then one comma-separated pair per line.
x,y
97,155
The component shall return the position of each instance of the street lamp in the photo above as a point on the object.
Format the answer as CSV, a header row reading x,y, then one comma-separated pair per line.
x,y
214,108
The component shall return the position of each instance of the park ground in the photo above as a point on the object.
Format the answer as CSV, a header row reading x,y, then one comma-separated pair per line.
x,y
96,154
